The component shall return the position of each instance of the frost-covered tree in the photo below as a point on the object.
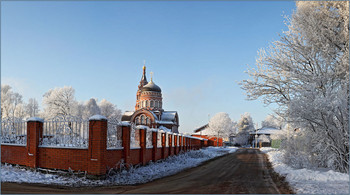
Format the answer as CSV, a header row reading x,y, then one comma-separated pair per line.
x,y
5,100
234,128
91,108
220,125
11,103
272,121
20,111
79,109
59,101
110,110
32,108
306,73
245,125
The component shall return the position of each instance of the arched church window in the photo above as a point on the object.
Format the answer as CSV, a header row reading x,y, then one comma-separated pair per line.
x,y
142,120
152,103
148,121
157,104
147,103
137,120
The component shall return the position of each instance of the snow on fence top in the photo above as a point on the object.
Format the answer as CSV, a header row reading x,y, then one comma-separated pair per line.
x,y
125,123
142,127
34,119
97,118
13,131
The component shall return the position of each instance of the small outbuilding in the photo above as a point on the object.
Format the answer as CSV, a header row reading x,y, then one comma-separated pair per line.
x,y
263,136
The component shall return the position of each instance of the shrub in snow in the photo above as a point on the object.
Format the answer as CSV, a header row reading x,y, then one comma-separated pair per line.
x,y
297,152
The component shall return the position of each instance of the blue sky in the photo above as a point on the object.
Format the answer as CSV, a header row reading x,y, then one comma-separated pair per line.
x,y
197,50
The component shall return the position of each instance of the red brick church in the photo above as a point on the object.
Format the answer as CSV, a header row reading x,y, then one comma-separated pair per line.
x,y
149,108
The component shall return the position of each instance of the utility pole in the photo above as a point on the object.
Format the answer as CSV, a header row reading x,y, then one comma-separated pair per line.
x,y
256,136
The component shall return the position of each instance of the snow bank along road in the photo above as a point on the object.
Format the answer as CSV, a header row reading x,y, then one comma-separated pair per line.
x,y
245,171
307,181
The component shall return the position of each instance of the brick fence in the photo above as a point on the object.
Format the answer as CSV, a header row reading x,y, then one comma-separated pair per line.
x,y
95,159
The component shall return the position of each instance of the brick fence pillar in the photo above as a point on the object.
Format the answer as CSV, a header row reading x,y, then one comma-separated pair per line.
x,y
143,146
175,144
180,143
170,143
163,145
34,131
155,147
126,141
97,147
184,144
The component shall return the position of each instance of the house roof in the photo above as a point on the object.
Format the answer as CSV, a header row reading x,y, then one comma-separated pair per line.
x,y
201,128
267,131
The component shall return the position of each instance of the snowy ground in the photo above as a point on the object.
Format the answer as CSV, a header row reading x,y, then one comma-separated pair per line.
x,y
306,181
135,175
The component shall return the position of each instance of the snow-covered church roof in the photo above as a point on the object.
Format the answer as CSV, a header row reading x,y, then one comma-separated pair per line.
x,y
168,116
127,115
151,86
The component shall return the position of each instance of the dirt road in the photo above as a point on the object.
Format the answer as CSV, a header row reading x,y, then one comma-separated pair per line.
x,y
246,171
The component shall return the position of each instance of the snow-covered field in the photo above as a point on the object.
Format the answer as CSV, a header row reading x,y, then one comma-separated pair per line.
x,y
306,181
142,174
